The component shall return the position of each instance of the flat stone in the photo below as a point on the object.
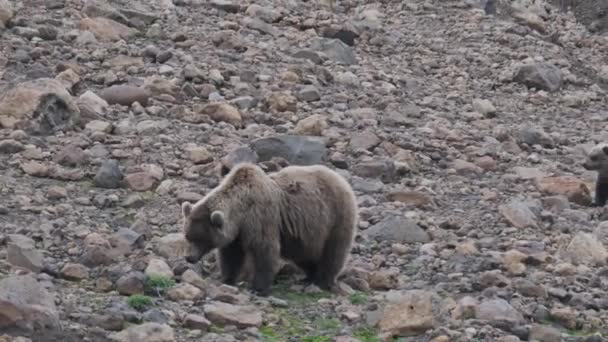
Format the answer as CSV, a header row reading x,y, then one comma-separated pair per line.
x,y
99,126
498,310
297,150
141,181
106,29
413,198
75,272
399,230
10,146
158,267
21,251
364,141
39,107
172,246
336,50
184,291
25,306
200,155
92,107
192,321
241,316
125,95
309,94
573,188
408,314
146,332
518,214
585,249
312,125
223,112
542,76
131,283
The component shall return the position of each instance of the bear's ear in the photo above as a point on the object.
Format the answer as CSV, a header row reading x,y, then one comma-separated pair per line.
x,y
217,219
605,149
186,208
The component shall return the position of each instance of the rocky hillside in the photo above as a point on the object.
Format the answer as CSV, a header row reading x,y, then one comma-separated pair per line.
x,y
461,125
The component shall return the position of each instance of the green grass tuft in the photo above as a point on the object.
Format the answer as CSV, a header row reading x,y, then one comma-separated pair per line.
x,y
158,284
139,302
358,298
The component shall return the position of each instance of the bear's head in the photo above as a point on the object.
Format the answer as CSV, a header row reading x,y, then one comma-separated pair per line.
x,y
597,158
204,229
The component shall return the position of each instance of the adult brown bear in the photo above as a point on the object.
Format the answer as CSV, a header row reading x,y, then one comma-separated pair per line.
x,y
306,214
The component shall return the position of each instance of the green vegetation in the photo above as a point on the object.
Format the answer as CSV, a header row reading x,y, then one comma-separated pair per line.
x,y
358,298
139,302
366,334
157,284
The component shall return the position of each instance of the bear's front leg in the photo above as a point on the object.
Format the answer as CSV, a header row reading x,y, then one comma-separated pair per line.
x,y
231,260
601,193
264,260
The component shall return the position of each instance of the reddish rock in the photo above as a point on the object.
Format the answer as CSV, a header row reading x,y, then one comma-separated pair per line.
x,y
573,188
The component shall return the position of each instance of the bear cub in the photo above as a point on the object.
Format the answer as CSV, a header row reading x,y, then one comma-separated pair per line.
x,y
597,160
305,214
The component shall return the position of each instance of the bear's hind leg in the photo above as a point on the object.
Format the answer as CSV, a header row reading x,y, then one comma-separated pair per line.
x,y
265,259
232,258
332,261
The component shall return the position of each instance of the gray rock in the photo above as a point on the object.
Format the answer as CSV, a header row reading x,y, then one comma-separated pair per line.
x,y
535,136
242,316
365,140
146,332
131,283
26,306
585,249
10,146
312,56
126,240
109,175
22,252
498,310
297,150
226,5
92,107
336,50
398,229
125,95
309,94
199,322
71,156
518,214
544,333
383,170
39,107
172,246
542,76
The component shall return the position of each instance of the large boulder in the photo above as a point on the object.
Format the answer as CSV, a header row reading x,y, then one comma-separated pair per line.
x,y
297,150
26,307
39,107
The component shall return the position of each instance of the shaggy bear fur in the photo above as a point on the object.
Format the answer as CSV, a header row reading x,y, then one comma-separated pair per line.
x,y
597,160
304,214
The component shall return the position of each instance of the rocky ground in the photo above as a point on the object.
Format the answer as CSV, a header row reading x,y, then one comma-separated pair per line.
x,y
461,125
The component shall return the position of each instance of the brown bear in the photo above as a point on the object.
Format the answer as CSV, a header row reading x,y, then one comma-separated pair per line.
x,y
304,214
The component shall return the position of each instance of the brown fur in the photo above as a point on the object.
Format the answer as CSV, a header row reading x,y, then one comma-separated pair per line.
x,y
304,214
